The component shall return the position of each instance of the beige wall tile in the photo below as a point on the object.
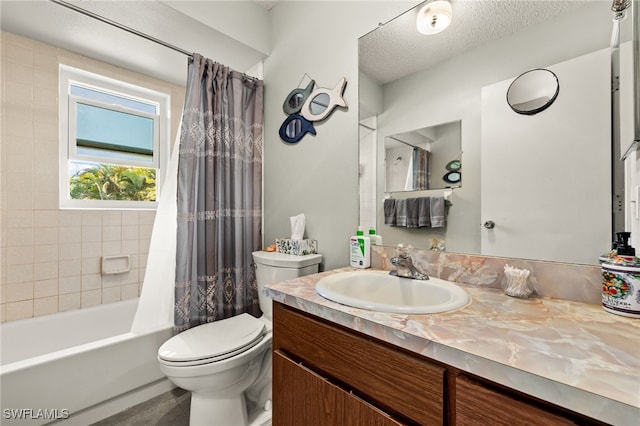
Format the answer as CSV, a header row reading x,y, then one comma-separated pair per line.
x,y
111,248
45,288
44,236
70,234
45,305
45,271
91,250
67,302
19,200
91,234
20,219
19,273
111,280
91,298
91,218
69,218
67,285
19,310
111,294
18,292
46,253
46,218
91,282
20,182
69,251
111,233
19,255
129,291
129,246
45,200
91,265
111,218
69,268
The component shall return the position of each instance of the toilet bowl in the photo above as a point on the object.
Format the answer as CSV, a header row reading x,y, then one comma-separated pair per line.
x,y
226,364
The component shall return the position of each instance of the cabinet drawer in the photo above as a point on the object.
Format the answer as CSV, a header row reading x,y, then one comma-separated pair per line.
x,y
403,385
478,405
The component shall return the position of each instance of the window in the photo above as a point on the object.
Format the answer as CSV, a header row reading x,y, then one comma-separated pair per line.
x,y
113,142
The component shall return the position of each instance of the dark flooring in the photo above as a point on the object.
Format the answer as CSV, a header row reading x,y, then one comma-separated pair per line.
x,y
168,409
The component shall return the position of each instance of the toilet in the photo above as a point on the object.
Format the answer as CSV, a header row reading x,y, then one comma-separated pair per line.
x,y
226,364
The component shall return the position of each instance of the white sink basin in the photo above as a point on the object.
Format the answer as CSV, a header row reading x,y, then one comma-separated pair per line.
x,y
379,291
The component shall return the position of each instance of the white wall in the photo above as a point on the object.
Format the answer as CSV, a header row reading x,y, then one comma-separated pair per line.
x,y
318,176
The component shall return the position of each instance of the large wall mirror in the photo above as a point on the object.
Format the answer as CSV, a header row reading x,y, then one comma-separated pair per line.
x,y
545,180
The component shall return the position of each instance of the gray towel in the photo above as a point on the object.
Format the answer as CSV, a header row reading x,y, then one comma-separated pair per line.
x,y
424,212
413,212
390,212
401,212
437,212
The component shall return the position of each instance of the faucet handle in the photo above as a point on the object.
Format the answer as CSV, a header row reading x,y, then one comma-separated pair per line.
x,y
403,250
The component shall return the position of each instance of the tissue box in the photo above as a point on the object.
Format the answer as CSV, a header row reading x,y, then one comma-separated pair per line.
x,y
297,247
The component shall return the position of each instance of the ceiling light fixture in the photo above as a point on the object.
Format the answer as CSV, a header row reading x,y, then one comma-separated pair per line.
x,y
434,17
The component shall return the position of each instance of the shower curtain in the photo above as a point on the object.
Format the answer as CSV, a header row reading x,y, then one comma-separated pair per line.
x,y
420,168
219,195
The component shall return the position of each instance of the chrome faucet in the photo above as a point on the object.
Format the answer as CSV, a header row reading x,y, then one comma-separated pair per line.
x,y
404,264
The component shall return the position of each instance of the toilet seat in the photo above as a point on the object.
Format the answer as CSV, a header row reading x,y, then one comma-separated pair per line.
x,y
213,342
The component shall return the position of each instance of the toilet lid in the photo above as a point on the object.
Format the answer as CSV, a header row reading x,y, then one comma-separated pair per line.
x,y
213,341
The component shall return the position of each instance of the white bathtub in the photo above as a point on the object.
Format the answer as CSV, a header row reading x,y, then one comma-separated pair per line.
x,y
79,365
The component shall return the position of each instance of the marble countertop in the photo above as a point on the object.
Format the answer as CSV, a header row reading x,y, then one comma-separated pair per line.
x,y
572,354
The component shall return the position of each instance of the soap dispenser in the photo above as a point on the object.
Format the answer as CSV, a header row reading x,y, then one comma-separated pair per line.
x,y
376,240
360,250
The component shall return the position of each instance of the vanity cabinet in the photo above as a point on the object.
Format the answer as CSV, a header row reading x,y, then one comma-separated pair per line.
x,y
325,374
401,386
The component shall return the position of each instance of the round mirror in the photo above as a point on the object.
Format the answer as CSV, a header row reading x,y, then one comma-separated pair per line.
x,y
453,165
452,177
533,91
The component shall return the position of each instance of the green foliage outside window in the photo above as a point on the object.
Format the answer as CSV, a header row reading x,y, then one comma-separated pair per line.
x,y
112,182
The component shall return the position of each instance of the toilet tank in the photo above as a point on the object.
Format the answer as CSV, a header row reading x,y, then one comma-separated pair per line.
x,y
273,267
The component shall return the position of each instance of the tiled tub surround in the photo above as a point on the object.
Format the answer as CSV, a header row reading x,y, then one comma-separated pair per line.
x,y
570,353
50,258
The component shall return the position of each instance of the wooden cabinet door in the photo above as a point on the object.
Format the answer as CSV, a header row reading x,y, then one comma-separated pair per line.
x,y
301,397
405,386
477,405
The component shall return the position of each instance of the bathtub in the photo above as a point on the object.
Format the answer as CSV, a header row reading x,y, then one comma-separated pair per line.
x,y
78,366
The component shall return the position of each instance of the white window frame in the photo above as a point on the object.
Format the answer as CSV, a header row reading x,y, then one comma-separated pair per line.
x,y
67,133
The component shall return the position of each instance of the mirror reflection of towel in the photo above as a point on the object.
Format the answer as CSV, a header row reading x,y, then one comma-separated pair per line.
x,y
424,212
390,212
415,212
401,212
437,212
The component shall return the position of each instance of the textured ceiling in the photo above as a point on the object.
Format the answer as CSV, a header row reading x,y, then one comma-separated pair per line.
x,y
396,49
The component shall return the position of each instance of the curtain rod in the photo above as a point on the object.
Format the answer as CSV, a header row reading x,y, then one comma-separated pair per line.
x,y
120,26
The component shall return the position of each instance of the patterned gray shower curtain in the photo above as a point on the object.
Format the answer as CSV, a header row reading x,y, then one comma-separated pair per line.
x,y
219,195
420,168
